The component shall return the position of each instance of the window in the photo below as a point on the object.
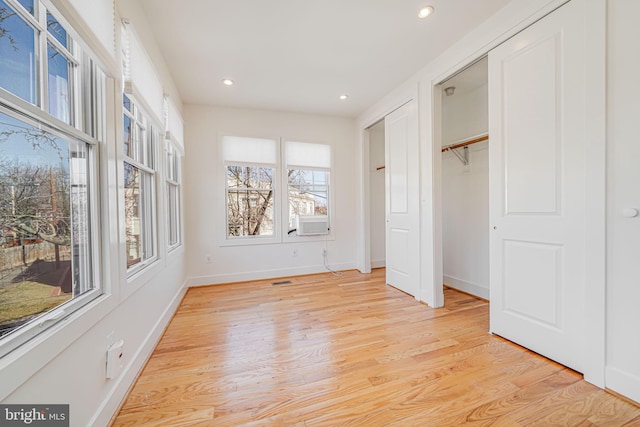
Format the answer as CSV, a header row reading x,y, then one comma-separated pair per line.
x,y
249,201
173,182
174,134
308,193
61,67
139,186
48,169
250,167
27,43
308,171
255,209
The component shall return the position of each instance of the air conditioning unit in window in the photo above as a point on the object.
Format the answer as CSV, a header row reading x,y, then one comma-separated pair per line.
x,y
312,225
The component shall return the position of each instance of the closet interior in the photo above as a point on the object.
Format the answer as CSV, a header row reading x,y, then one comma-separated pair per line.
x,y
377,195
465,181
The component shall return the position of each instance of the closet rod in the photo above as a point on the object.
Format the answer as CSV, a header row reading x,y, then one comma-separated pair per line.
x,y
464,144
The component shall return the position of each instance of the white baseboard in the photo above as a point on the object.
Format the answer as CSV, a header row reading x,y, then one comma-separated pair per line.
x,y
468,287
622,382
218,279
118,393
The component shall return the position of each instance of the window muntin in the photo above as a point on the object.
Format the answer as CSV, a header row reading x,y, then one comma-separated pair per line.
x,y
139,187
250,201
46,244
28,5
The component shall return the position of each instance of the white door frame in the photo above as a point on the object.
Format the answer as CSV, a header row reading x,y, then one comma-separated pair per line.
x,y
408,93
514,17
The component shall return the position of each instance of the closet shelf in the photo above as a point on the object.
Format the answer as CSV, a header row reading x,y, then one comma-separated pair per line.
x,y
465,143
464,158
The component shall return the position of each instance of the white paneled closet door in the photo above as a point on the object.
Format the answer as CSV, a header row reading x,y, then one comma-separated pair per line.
x,y
402,208
538,206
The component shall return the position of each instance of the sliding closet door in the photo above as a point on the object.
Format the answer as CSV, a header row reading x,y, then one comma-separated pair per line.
x,y
538,193
402,202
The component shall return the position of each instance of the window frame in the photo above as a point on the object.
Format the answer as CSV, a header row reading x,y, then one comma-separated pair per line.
x,y
32,329
293,237
290,233
71,53
148,167
88,83
274,175
173,181
225,239
281,195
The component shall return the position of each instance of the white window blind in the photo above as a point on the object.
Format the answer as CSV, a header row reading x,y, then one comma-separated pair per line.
x,y
249,150
306,154
140,77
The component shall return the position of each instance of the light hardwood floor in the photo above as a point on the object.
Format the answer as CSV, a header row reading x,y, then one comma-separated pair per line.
x,y
351,351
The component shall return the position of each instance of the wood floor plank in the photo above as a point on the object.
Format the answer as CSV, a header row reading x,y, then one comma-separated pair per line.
x,y
351,351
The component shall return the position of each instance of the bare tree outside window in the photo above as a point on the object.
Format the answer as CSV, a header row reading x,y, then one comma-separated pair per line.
x,y
47,192
44,229
249,201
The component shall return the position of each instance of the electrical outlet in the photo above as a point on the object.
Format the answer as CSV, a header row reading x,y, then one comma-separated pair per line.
x,y
294,253
207,258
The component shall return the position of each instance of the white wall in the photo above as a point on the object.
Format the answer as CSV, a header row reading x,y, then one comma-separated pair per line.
x,y
66,364
76,376
465,114
465,194
377,196
623,176
204,185
465,221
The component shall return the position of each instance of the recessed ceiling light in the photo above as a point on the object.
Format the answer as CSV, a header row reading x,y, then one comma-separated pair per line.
x,y
343,96
227,82
425,11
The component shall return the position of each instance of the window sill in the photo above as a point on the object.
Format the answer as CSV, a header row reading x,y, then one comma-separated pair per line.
x,y
294,238
250,241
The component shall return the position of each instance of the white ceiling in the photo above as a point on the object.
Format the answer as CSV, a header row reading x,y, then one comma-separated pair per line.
x,y
300,55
